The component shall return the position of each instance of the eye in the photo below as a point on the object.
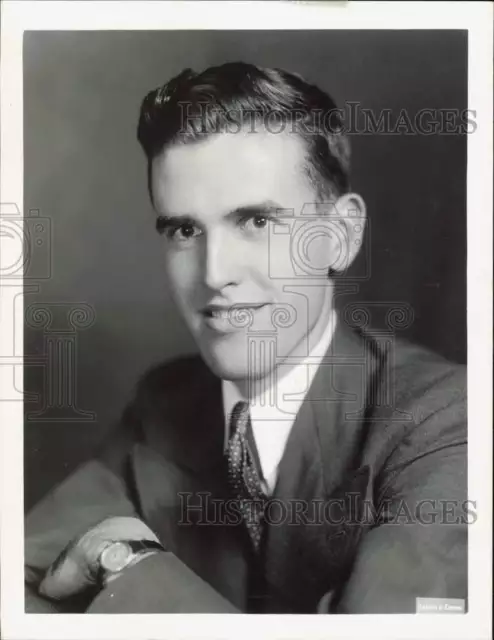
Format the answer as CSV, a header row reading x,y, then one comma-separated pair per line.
x,y
184,232
178,231
255,222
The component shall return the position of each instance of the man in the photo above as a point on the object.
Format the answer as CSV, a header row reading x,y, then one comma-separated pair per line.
x,y
297,466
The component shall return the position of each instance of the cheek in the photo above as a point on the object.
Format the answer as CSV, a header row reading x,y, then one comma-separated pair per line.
x,y
182,274
255,261
302,304
316,296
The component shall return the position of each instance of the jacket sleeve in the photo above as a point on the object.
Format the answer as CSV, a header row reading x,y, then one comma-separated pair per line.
x,y
102,488
161,583
92,493
418,546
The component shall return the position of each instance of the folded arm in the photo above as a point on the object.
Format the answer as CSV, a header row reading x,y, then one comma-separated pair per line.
x,y
420,548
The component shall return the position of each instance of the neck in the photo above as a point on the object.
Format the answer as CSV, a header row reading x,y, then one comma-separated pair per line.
x,y
251,388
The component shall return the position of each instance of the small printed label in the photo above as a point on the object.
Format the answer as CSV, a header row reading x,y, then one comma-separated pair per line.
x,y
439,605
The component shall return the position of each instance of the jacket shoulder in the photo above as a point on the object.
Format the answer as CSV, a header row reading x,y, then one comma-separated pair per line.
x,y
166,392
413,374
424,408
174,376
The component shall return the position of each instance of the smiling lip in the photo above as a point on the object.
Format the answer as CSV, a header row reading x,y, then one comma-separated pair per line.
x,y
228,318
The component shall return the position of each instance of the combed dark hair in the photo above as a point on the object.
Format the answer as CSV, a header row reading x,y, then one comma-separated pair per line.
x,y
236,95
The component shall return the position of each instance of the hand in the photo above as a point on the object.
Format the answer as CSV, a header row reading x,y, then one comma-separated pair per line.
x,y
76,568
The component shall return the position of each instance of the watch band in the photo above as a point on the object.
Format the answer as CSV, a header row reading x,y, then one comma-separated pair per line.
x,y
140,546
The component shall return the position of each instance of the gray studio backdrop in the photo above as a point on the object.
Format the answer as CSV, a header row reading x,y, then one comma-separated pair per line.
x,y
102,313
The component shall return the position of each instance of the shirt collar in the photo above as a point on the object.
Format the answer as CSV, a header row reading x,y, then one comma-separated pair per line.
x,y
288,390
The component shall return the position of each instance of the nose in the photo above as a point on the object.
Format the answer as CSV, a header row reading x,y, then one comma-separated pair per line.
x,y
221,261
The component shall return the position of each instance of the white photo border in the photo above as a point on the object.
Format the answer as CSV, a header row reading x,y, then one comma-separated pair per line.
x,y
476,17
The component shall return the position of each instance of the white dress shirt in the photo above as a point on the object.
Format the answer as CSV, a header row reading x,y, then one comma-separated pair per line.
x,y
272,421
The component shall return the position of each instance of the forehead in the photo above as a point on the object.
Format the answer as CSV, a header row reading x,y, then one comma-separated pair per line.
x,y
230,170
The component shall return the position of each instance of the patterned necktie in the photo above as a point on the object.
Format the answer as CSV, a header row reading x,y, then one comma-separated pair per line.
x,y
243,475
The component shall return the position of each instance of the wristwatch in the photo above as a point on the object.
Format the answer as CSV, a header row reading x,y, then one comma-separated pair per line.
x,y
119,554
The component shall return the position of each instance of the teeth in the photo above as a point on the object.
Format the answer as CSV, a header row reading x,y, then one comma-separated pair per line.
x,y
225,314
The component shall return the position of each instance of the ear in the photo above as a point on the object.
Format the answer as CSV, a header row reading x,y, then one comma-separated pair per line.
x,y
351,218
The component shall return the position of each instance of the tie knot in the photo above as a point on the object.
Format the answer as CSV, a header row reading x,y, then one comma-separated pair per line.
x,y
239,418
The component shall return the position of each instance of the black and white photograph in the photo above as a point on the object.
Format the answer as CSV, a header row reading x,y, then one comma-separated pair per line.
x,y
246,286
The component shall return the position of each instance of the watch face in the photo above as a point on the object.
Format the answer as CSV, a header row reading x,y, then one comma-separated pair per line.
x,y
116,556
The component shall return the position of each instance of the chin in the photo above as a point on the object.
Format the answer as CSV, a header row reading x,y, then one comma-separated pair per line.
x,y
225,369
226,360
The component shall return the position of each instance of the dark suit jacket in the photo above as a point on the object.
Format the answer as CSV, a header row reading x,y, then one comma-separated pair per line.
x,y
376,462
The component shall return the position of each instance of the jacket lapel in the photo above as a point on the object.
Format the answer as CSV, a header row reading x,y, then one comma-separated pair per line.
x,y
318,499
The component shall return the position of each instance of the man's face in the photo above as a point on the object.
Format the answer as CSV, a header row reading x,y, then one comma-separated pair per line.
x,y
229,254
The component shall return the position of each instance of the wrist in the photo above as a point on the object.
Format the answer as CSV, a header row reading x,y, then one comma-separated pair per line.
x,y
119,555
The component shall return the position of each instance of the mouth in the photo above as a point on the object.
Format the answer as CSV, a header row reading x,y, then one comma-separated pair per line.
x,y
228,318
218,311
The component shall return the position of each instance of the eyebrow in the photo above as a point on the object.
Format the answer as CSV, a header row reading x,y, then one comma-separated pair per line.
x,y
268,206
263,207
